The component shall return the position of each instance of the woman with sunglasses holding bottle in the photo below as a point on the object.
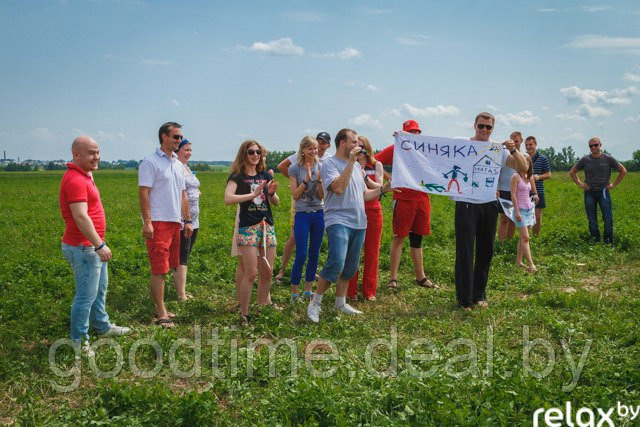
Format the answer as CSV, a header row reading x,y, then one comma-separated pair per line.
x,y
254,189
373,176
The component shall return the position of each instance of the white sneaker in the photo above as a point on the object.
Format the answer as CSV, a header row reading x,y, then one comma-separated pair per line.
x,y
313,312
116,331
348,309
86,350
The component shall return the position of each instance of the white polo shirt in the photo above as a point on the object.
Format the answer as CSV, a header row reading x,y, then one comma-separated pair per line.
x,y
163,174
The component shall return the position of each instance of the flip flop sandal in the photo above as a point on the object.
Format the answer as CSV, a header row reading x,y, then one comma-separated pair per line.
x,y
426,283
393,284
170,315
165,323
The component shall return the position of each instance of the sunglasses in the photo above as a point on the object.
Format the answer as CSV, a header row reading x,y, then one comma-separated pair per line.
x,y
253,152
482,126
177,137
594,145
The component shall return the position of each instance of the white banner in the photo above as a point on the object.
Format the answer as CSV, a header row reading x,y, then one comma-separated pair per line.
x,y
447,166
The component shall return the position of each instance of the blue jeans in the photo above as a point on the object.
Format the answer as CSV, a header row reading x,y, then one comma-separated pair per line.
x,y
345,245
91,279
307,227
602,198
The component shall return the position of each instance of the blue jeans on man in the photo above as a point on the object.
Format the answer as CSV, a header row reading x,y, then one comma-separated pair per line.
x,y
89,303
343,258
591,200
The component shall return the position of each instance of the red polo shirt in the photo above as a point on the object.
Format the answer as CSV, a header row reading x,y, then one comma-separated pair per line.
x,y
386,158
78,186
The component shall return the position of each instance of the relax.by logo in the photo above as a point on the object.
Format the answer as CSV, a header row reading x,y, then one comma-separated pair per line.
x,y
556,417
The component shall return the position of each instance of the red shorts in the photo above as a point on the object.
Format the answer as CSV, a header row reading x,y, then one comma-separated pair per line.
x,y
411,215
164,247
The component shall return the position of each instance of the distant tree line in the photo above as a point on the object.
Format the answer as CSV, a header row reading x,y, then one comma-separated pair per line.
x,y
561,160
566,158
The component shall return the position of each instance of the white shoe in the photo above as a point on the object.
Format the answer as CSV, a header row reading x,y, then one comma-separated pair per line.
x,y
116,331
348,309
313,312
86,350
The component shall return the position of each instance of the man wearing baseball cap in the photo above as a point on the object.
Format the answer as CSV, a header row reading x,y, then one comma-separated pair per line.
x,y
411,217
324,142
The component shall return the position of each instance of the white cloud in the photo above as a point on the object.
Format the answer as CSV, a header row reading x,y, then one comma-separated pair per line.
x,y
42,134
523,118
416,40
573,137
349,53
593,9
569,117
603,97
465,125
174,102
290,81
631,119
155,61
545,108
346,53
591,111
102,136
491,107
632,77
606,42
372,88
281,47
438,110
546,10
307,16
377,11
365,121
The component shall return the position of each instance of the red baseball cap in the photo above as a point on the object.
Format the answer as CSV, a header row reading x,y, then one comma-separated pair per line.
x,y
410,125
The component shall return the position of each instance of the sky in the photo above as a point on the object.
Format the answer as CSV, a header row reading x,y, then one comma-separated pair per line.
x,y
275,71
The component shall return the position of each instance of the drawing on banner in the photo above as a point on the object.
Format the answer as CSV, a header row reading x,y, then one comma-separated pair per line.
x,y
432,187
454,167
485,171
454,177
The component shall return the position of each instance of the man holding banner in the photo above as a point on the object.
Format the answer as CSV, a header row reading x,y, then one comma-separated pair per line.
x,y
467,171
475,224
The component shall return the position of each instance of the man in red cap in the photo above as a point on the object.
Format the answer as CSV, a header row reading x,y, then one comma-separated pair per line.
x,y
411,217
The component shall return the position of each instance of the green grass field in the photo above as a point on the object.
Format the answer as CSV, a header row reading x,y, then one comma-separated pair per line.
x,y
583,301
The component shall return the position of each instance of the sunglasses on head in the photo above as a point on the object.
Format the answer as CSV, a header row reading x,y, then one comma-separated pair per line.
x,y
177,137
252,152
483,126
593,145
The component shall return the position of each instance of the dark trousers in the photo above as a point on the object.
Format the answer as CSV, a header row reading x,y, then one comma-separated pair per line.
x,y
475,226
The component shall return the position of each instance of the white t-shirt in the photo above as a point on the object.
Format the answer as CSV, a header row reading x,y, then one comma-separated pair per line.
x,y
165,177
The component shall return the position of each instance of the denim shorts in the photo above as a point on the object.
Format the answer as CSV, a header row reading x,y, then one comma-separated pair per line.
x,y
528,218
343,258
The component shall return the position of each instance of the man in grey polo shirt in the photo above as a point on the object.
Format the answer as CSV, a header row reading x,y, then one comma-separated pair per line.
x,y
597,176
345,220
164,206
